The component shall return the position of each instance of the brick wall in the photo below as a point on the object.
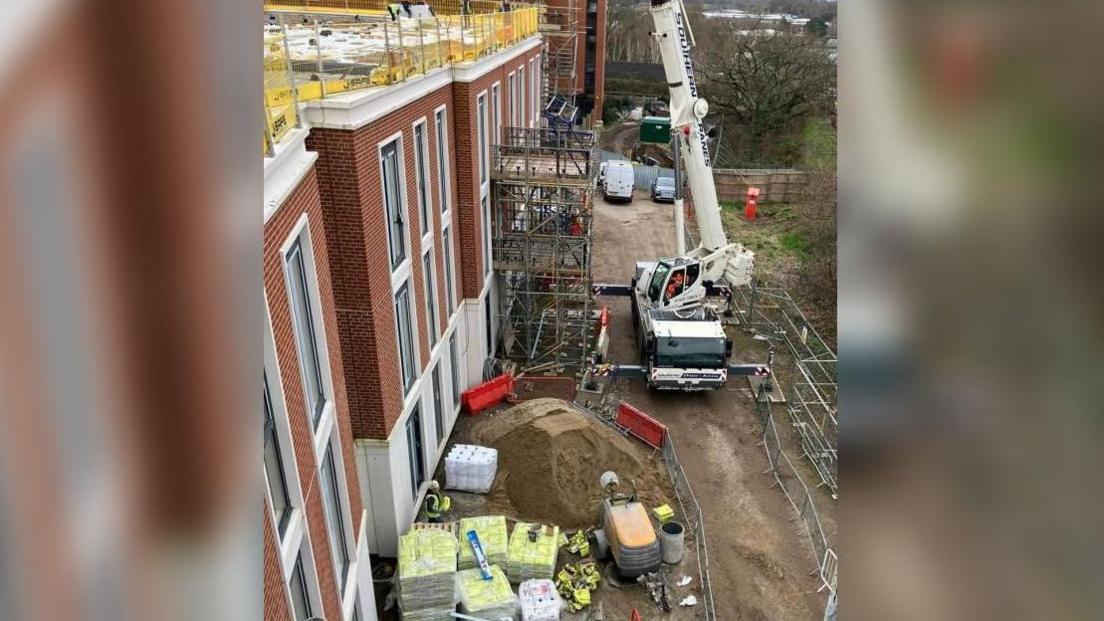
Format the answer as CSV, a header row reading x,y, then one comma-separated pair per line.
x,y
305,199
351,190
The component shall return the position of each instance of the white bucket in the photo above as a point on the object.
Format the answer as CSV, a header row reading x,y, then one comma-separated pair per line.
x,y
670,541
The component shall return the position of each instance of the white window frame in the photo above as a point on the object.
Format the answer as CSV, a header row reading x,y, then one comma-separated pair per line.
x,y
452,303
301,233
511,86
412,313
534,90
310,574
296,527
342,483
444,177
400,157
433,309
523,86
424,219
482,135
488,251
496,111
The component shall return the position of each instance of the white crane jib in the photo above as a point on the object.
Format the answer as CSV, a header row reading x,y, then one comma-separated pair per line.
x,y
721,262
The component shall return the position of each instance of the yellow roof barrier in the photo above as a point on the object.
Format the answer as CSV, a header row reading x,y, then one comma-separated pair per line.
x,y
303,62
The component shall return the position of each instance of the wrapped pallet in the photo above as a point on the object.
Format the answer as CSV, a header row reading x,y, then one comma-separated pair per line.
x,y
532,552
539,601
470,468
491,530
427,573
486,599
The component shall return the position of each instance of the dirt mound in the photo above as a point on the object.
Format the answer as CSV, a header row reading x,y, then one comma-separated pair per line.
x,y
550,456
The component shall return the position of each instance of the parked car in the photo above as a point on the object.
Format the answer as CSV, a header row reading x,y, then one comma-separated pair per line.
x,y
663,190
617,178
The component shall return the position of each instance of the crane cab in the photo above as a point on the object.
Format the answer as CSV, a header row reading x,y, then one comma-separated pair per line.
x,y
670,284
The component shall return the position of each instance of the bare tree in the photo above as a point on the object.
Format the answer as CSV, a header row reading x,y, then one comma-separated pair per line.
x,y
766,83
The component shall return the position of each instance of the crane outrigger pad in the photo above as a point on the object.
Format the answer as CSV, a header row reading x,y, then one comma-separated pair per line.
x,y
612,290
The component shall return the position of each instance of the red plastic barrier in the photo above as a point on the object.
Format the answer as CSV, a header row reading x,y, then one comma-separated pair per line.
x,y
483,396
641,425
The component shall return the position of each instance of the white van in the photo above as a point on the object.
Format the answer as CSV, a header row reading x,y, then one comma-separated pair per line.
x,y
616,178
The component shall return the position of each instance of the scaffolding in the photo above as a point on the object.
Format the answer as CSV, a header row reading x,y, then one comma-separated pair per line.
x,y
543,184
559,25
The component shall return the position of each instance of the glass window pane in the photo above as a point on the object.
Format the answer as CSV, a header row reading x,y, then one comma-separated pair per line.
x,y
274,467
304,329
331,498
438,407
481,122
405,336
392,198
300,602
430,297
446,239
423,182
414,448
454,368
443,170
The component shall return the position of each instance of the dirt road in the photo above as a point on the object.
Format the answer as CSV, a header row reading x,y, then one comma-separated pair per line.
x,y
760,561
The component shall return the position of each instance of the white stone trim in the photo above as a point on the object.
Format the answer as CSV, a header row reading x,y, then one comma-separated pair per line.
x,y
284,171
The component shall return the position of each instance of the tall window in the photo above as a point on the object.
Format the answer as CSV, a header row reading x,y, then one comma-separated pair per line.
x,y
496,113
430,296
454,370
450,292
274,467
334,518
487,259
300,600
534,81
421,167
490,324
481,123
438,408
393,203
405,335
522,87
415,451
511,90
304,329
443,168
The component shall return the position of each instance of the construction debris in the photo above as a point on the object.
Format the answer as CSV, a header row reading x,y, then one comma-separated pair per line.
x,y
685,580
575,582
690,600
578,543
657,589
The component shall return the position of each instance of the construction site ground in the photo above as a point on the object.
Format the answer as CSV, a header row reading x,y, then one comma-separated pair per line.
x,y
760,559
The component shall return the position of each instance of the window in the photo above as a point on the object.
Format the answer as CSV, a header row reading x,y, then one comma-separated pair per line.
x,y
438,410
490,325
414,450
450,292
454,370
487,257
300,601
405,335
511,88
393,202
443,170
331,503
421,167
522,87
496,113
304,329
534,81
274,467
481,123
430,296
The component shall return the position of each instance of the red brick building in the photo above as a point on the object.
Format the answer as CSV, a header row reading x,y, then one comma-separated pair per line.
x,y
590,53
379,288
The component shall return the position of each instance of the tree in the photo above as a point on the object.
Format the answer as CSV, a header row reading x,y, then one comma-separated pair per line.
x,y
817,27
767,84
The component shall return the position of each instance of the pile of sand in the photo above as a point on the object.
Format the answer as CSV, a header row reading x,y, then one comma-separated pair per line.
x,y
550,456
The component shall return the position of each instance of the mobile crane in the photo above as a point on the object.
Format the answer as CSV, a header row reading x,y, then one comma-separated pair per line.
x,y
682,343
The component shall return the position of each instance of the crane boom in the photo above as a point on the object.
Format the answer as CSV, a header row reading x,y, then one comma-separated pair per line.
x,y
674,37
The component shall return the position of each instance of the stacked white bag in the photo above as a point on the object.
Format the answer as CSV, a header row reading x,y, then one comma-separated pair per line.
x,y
539,601
471,468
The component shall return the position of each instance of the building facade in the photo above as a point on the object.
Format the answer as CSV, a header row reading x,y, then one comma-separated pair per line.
x,y
379,289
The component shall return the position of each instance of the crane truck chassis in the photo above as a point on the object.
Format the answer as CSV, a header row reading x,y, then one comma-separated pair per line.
x,y
682,343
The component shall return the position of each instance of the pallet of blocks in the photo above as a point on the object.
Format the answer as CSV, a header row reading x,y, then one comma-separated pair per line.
x,y
470,468
427,574
539,601
491,530
486,599
532,553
